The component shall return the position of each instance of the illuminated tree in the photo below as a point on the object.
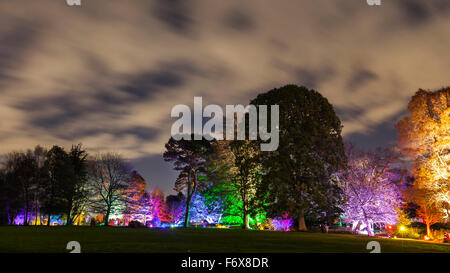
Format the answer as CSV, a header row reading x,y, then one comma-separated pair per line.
x,y
428,209
136,199
189,157
238,175
371,196
157,209
203,211
425,139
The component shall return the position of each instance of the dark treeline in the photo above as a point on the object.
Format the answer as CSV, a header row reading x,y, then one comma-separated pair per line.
x,y
43,183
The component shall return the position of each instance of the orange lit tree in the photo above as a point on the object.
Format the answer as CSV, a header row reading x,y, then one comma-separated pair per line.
x,y
425,140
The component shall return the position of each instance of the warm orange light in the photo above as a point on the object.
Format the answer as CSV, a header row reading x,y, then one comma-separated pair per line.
x,y
426,238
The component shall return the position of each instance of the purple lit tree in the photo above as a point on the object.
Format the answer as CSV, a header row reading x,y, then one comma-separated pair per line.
x,y
372,197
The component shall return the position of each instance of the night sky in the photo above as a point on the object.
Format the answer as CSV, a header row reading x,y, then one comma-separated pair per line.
x,y
108,73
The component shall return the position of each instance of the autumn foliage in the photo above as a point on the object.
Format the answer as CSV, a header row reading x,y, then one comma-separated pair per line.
x,y
425,140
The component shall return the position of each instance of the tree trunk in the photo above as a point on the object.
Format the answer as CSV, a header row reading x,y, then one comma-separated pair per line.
x,y
245,225
188,208
429,230
48,219
25,216
301,222
190,193
69,220
369,228
36,215
106,220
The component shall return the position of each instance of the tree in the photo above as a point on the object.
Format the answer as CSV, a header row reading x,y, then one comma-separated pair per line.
x,y
428,209
75,190
3,199
297,176
424,137
60,176
176,206
40,155
21,179
239,174
109,177
189,157
136,199
202,210
370,193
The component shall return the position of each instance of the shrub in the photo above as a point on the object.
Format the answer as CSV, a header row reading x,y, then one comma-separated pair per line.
x,y
282,223
135,224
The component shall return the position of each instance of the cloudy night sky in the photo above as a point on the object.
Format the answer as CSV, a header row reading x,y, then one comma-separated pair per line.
x,y
108,73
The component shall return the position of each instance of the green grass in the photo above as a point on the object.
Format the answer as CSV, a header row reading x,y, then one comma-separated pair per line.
x,y
117,239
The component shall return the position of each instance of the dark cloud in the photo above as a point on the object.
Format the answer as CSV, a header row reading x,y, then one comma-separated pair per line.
x,y
66,108
312,78
360,78
415,12
239,20
14,44
175,14
348,113
143,85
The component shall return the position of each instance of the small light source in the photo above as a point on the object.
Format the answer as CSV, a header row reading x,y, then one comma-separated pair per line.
x,y
426,238
402,228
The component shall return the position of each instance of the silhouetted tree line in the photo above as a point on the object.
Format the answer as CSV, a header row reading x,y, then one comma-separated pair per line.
x,y
41,183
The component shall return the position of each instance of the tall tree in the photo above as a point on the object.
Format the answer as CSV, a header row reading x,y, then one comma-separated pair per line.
x,y
75,189
109,177
189,157
3,198
310,151
40,155
21,177
238,176
60,175
424,137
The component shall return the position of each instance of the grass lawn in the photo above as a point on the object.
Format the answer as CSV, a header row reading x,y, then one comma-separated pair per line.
x,y
121,239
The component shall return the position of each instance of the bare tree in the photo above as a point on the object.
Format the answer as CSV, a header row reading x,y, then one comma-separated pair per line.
x,y
109,177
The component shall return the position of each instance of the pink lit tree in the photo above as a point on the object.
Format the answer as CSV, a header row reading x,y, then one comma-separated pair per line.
x,y
371,194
